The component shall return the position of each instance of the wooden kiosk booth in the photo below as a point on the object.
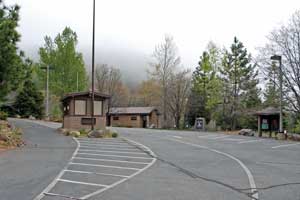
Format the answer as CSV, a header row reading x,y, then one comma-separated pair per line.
x,y
268,120
77,110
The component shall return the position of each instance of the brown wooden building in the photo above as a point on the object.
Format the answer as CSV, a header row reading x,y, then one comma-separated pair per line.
x,y
77,110
137,117
268,120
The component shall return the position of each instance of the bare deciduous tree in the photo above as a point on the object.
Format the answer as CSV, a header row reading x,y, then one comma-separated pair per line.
x,y
285,41
165,62
180,83
108,81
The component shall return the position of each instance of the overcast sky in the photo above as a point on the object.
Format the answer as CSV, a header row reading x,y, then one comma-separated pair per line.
x,y
128,30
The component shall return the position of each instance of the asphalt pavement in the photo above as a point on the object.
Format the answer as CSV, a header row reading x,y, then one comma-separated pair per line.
x,y
26,171
149,164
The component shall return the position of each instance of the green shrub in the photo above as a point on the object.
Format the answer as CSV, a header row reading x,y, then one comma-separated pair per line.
x,y
83,132
297,127
114,135
3,115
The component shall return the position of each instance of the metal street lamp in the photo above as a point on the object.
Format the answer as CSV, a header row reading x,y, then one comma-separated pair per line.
x,y
278,58
93,66
47,68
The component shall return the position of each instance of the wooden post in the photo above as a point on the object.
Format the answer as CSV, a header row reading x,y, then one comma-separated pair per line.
x,y
259,125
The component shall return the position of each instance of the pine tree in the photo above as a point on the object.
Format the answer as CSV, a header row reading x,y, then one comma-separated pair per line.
x,y
271,94
12,67
29,101
205,92
241,79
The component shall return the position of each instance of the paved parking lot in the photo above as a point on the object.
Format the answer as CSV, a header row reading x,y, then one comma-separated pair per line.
x,y
186,165
98,165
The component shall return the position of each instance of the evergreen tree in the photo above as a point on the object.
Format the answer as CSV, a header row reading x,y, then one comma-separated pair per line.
x,y
12,67
240,76
206,85
271,94
29,101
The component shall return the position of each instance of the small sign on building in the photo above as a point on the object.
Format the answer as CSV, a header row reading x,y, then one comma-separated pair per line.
x,y
200,123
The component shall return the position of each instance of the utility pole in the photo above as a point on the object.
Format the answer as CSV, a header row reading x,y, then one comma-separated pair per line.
x,y
93,66
278,58
77,82
47,68
47,93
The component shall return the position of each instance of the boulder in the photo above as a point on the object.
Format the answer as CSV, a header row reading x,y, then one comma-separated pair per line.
x,y
96,134
75,133
247,132
31,117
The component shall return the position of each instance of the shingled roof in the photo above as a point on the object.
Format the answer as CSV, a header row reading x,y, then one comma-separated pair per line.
x,y
131,110
268,111
89,93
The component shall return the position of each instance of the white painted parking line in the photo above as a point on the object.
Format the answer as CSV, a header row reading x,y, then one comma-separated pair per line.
x,y
61,173
109,149
101,141
250,141
234,139
97,173
285,145
58,195
105,143
117,146
111,158
206,136
219,137
132,175
82,183
120,161
177,137
245,168
110,143
122,152
110,155
106,166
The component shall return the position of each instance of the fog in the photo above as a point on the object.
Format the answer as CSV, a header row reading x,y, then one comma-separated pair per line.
x,y
127,31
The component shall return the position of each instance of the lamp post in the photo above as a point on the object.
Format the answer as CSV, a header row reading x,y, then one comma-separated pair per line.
x,y
278,58
47,68
93,66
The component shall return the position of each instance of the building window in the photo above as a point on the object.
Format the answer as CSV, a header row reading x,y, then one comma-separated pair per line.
x,y
115,118
133,118
80,107
97,107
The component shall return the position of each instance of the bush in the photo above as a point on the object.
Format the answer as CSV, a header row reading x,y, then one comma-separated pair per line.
x,y
30,101
3,115
297,128
83,132
114,135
